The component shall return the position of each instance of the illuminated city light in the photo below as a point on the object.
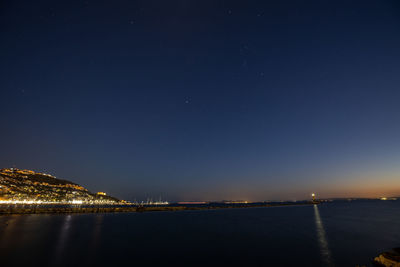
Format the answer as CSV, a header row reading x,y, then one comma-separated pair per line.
x,y
313,197
25,187
151,203
192,203
63,202
237,202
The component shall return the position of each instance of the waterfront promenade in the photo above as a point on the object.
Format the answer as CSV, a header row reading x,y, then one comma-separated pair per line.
x,y
55,209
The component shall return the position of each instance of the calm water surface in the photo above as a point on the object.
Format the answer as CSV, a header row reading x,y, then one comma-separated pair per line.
x,y
335,234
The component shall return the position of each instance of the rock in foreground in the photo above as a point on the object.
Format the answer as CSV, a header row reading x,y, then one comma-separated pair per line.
x,y
389,258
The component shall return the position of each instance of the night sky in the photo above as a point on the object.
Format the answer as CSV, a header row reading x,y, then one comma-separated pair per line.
x,y
204,100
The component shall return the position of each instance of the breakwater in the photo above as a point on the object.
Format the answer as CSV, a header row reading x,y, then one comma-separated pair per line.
x,y
55,209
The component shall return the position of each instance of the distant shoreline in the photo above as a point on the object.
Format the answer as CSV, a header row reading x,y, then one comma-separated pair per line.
x,y
62,209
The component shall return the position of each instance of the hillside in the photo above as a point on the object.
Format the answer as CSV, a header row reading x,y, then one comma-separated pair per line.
x,y
25,185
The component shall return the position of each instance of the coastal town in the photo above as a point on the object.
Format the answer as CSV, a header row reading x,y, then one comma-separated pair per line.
x,y
29,187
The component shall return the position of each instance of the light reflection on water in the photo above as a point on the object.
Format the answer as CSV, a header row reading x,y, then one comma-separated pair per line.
x,y
322,240
96,234
62,240
339,233
7,233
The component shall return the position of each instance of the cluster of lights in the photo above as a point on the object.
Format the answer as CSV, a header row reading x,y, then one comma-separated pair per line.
x,y
41,202
388,198
155,203
237,202
23,202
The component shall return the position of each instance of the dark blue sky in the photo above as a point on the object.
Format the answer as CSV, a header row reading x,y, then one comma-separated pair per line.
x,y
204,100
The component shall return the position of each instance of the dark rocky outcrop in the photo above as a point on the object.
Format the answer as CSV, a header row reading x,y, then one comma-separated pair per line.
x,y
388,258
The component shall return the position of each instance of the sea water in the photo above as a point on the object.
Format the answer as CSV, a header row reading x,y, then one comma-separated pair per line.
x,y
333,234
